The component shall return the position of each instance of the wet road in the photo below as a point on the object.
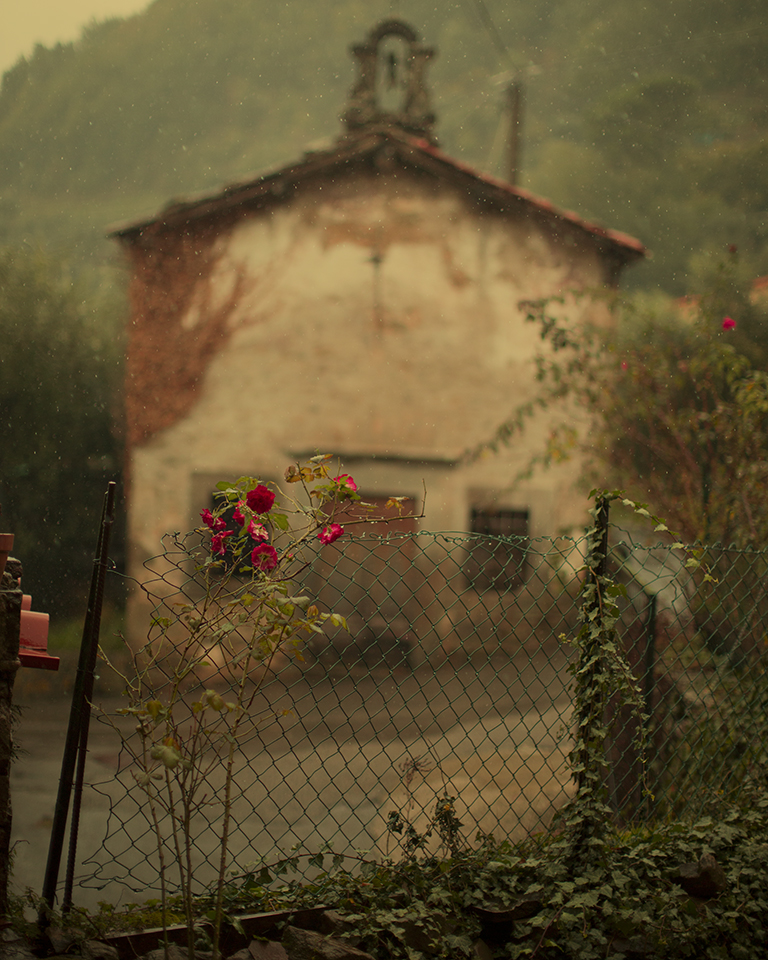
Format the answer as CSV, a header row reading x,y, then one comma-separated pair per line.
x,y
328,771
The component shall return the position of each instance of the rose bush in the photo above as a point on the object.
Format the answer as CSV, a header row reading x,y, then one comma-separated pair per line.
x,y
240,613
253,504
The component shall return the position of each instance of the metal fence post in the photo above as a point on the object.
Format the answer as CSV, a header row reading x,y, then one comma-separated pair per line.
x,y
77,736
597,566
649,685
650,657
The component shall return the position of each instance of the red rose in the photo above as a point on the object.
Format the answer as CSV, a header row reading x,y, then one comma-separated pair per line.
x,y
258,531
260,499
331,533
345,481
217,524
217,541
264,557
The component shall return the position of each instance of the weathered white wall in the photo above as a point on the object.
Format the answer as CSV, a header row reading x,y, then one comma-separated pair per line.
x,y
379,318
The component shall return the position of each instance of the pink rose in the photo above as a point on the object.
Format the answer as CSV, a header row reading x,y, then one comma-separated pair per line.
x,y
217,541
729,323
264,557
346,481
237,516
207,517
331,533
260,499
258,531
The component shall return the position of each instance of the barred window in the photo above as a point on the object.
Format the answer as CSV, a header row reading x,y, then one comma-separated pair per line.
x,y
496,565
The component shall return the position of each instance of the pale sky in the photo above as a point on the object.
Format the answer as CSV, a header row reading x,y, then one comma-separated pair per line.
x,y
27,22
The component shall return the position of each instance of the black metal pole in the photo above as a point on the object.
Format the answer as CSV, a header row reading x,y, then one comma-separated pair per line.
x,y
95,605
80,710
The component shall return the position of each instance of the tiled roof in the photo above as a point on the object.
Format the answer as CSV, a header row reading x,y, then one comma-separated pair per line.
x,y
382,142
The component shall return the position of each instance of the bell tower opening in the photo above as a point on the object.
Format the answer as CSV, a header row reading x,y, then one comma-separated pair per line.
x,y
392,74
390,89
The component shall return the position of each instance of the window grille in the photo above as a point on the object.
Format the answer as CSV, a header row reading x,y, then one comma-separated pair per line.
x,y
498,564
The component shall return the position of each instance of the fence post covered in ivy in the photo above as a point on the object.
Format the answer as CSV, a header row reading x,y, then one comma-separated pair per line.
x,y
596,642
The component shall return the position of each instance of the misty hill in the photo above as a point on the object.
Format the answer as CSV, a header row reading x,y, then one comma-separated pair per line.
x,y
651,118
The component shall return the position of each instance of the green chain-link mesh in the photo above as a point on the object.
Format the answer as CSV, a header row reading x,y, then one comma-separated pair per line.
x,y
452,678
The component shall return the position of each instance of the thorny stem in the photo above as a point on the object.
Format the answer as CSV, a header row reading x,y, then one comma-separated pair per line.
x,y
188,851
227,814
185,875
207,623
160,854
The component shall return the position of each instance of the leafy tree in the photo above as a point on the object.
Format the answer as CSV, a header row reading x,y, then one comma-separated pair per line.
x,y
656,116
59,375
677,399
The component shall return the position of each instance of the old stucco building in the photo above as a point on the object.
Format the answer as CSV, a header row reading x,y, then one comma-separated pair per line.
x,y
363,301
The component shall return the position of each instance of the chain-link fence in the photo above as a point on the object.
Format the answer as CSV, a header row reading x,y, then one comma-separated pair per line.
x,y
450,678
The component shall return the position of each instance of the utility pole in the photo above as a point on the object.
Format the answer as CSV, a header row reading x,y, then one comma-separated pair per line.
x,y
514,142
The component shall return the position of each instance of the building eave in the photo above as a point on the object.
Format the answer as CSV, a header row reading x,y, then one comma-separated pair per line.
x,y
277,185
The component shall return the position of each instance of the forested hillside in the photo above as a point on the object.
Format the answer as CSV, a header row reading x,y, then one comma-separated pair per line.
x,y
650,117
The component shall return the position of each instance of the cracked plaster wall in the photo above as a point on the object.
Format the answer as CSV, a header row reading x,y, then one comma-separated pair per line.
x,y
377,316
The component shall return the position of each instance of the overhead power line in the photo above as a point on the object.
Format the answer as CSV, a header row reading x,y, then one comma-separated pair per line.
x,y
493,30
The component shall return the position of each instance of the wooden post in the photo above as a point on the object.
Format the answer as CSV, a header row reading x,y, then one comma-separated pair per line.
x,y
10,623
514,144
